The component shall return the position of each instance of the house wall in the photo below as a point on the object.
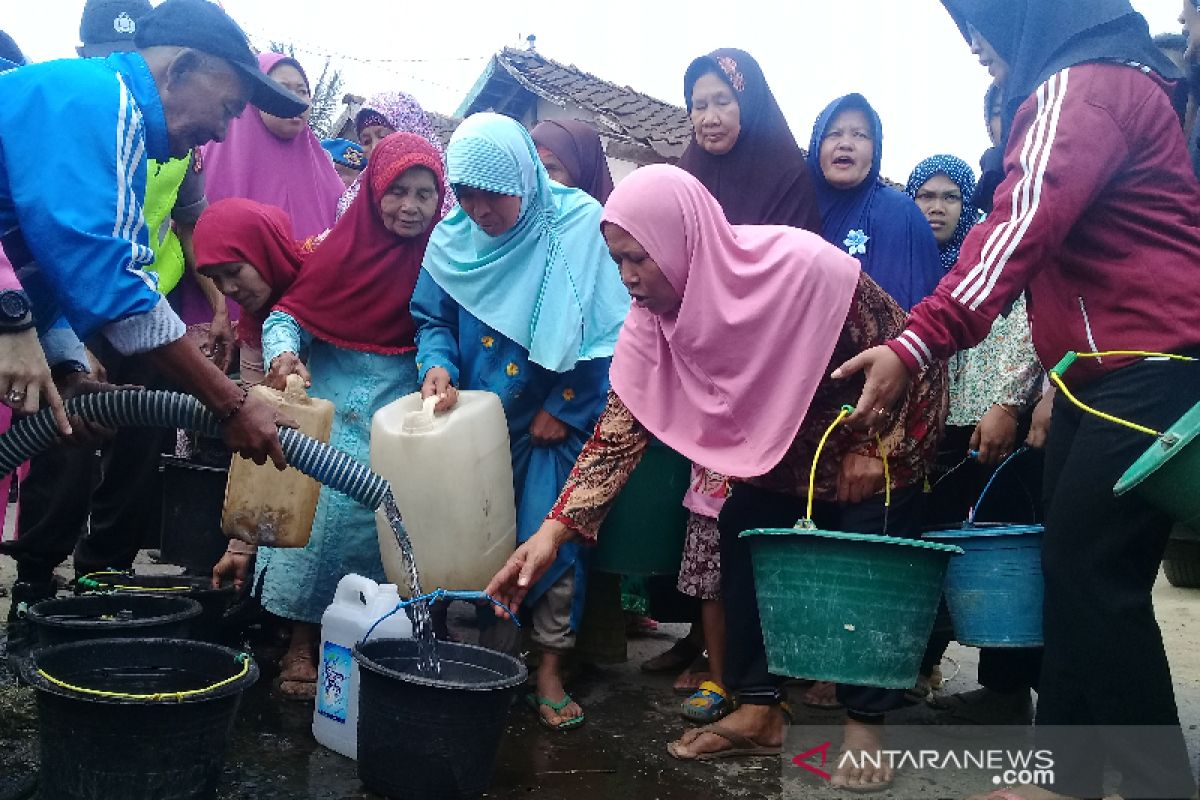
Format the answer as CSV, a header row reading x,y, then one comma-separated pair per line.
x,y
619,167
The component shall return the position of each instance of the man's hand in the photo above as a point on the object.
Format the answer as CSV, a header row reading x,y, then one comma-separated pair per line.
x,y
253,432
85,433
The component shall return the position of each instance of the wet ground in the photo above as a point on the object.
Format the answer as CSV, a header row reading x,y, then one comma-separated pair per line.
x,y
619,753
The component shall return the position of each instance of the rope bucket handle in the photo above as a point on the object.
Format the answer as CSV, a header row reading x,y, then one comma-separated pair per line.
x,y
1057,371
844,412
178,697
87,582
435,596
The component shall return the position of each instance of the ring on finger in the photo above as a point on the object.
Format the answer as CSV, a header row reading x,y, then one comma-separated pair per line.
x,y
15,396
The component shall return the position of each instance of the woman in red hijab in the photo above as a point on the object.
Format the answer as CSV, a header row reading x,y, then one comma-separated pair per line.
x,y
348,307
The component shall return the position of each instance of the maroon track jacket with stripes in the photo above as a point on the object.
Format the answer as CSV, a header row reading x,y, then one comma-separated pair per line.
x,y
1098,217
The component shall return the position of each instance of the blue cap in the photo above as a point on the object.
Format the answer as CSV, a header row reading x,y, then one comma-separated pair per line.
x,y
345,152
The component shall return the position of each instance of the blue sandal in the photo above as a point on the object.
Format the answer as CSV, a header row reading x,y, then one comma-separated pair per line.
x,y
707,705
536,703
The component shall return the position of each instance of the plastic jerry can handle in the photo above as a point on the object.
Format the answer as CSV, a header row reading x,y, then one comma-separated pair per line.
x,y
294,391
421,421
356,590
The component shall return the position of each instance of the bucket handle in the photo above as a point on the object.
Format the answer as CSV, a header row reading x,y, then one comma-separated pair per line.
x,y
844,412
156,696
87,582
1056,373
442,594
971,515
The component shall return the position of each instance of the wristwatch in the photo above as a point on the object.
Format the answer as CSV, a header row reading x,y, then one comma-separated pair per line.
x,y
14,311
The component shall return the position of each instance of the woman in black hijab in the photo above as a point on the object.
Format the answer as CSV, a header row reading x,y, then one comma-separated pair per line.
x,y
743,150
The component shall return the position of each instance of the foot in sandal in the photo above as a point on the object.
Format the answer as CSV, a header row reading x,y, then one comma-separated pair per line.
x,y
749,731
862,744
558,711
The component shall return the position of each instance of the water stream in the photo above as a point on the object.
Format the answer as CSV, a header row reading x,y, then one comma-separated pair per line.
x,y
428,662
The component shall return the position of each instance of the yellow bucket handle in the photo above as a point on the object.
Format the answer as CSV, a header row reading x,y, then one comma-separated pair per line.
x,y
1062,366
87,582
812,474
176,696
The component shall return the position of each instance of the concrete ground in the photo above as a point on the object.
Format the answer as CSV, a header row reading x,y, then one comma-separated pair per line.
x,y
619,753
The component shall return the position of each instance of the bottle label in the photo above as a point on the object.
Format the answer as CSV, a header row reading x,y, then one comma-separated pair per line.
x,y
333,694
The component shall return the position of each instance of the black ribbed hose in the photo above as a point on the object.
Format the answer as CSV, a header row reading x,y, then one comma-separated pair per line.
x,y
147,409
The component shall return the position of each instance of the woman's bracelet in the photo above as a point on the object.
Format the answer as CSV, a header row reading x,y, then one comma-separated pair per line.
x,y
1009,410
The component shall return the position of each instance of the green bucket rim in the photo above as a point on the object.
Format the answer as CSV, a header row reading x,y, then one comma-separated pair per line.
x,y
1182,433
855,537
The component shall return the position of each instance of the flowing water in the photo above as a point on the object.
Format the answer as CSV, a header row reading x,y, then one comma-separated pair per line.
x,y
428,662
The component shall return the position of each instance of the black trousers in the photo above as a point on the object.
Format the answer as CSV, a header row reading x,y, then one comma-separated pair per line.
x,y
1104,662
1016,497
749,507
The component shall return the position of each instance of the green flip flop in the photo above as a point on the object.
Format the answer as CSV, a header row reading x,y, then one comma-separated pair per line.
x,y
536,703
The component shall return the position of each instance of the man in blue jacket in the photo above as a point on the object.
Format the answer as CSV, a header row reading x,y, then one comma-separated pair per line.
x,y
77,206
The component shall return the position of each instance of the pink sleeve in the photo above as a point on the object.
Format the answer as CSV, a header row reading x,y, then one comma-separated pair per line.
x,y
8,277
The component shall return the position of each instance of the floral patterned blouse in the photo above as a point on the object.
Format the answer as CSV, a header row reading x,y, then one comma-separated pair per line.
x,y
1002,369
619,440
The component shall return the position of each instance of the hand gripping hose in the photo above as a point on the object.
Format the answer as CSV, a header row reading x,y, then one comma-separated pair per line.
x,y
147,409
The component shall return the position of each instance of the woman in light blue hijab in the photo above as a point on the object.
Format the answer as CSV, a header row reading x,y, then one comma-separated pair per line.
x,y
519,296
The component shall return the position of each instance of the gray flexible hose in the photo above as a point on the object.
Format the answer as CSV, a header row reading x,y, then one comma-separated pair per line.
x,y
147,409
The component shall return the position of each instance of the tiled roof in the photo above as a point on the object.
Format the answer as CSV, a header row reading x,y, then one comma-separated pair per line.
x,y
443,125
643,119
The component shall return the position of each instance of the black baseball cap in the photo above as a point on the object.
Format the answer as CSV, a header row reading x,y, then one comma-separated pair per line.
x,y
108,26
204,26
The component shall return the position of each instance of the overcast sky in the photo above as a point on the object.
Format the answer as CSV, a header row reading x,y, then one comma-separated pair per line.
x,y
906,56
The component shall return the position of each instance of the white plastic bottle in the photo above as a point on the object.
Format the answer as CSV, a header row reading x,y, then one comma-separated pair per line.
x,y
357,604
452,478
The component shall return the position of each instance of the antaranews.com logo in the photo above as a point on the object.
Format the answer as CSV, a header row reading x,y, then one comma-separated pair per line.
x,y
1007,766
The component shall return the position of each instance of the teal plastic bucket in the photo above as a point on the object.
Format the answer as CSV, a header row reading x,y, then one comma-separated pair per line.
x,y
994,590
1167,475
645,530
846,607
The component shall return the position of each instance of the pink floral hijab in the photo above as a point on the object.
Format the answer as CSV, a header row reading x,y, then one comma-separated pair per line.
x,y
401,112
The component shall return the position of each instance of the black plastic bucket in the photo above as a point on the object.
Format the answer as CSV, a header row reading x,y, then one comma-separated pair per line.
x,y
213,602
432,739
104,748
106,616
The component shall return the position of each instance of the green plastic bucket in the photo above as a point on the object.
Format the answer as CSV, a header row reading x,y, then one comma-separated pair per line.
x,y
645,530
1167,475
846,607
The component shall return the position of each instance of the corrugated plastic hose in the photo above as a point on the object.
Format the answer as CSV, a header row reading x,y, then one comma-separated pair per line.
x,y
150,409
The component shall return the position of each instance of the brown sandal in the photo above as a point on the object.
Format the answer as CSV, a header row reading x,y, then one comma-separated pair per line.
x,y
740,746
293,682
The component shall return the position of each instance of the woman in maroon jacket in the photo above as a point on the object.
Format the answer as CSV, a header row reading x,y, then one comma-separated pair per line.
x,y
1096,220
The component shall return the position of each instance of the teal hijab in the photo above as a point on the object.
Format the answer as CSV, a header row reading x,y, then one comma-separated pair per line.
x,y
547,284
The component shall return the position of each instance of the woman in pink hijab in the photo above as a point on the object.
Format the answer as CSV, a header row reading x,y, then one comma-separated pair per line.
x,y
725,358
279,162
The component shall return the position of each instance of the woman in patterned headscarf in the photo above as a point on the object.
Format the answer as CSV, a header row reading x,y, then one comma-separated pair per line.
x,y
382,115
